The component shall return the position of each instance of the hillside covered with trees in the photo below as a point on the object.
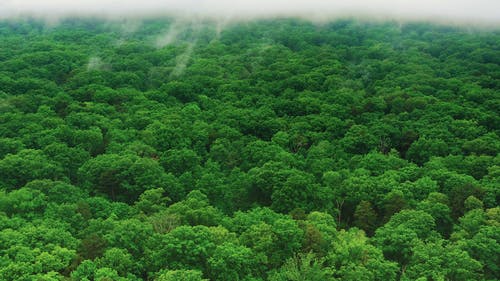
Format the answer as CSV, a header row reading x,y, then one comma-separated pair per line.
x,y
277,150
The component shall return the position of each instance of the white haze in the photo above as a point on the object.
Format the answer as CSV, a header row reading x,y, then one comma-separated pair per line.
x,y
181,61
448,11
168,37
95,63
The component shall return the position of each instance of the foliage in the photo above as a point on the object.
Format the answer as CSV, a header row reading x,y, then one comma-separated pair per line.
x,y
263,150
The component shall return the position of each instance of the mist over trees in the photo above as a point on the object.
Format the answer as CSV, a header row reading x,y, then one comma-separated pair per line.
x,y
464,12
277,150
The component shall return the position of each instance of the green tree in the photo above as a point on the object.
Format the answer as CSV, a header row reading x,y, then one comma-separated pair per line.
x,y
181,275
436,261
302,267
353,258
27,165
232,262
365,217
397,237
423,149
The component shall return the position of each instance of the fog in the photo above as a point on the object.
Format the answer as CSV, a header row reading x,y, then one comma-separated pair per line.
x,y
168,37
449,11
181,61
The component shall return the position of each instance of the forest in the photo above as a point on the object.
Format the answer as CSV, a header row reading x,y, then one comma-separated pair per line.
x,y
275,149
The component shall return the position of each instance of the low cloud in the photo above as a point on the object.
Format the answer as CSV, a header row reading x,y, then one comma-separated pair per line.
x,y
168,37
182,61
453,11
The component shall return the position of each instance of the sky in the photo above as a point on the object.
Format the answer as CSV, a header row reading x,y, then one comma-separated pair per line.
x,y
453,11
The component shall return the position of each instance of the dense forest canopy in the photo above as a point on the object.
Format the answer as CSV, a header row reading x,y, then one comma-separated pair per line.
x,y
264,150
